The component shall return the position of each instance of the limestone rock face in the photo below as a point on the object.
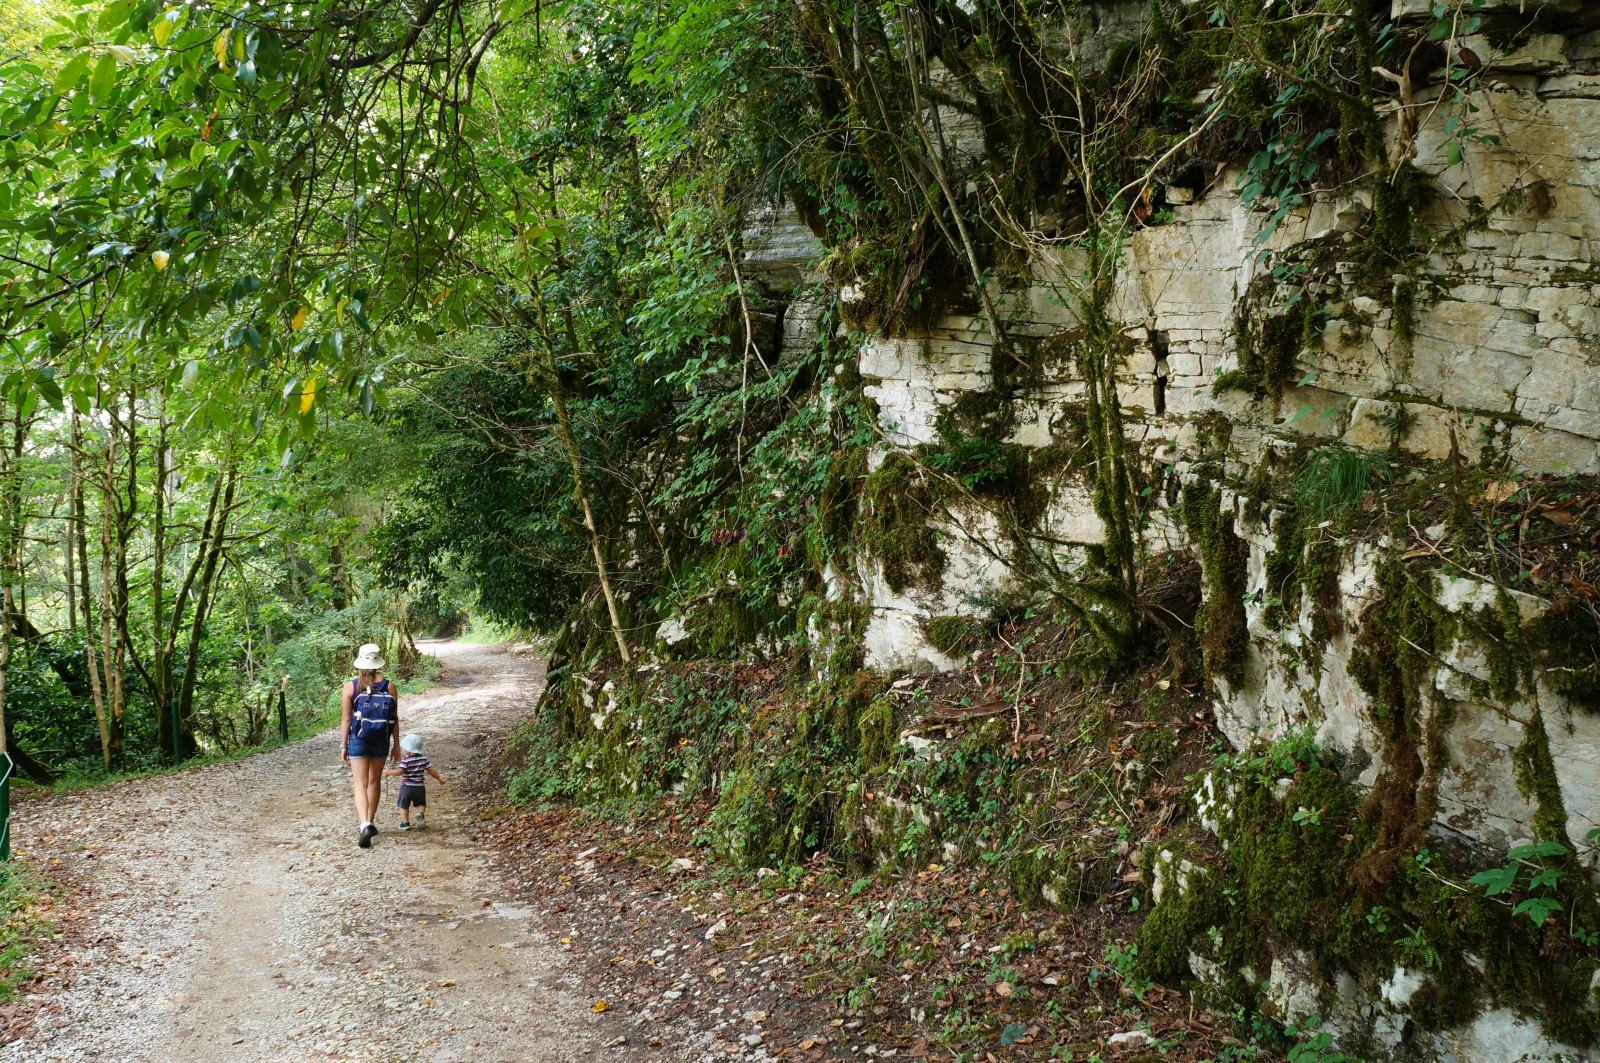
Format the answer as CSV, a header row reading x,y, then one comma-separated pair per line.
x,y
779,249
1484,349
1491,350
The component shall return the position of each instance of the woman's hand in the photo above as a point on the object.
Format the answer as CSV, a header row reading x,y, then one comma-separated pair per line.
x,y
394,754
344,755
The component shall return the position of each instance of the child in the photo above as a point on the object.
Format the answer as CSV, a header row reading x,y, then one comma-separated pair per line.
x,y
413,787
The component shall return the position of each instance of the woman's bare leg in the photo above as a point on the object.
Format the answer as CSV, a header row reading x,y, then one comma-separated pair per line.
x,y
358,787
374,790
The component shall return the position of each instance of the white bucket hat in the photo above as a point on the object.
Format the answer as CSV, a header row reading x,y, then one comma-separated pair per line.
x,y
370,658
411,743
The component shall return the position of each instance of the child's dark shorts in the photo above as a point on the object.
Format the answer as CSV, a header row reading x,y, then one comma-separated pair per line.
x,y
412,796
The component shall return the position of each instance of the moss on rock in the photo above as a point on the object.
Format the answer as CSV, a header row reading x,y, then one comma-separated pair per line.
x,y
954,636
895,526
1224,635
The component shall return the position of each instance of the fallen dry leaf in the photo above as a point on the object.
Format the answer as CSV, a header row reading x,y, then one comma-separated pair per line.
x,y
1500,490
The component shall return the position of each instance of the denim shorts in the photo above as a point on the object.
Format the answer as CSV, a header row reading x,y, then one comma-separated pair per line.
x,y
367,748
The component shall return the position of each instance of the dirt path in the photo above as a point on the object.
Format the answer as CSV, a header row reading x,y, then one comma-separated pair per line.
x,y
235,918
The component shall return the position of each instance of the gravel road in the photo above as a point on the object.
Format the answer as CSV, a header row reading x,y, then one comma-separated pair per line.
x,y
234,918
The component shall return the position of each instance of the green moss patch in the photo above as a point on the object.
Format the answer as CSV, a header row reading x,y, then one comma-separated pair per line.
x,y
1290,876
1224,634
955,636
898,503
1270,338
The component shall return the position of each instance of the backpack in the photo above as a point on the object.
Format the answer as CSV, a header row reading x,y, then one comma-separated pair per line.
x,y
372,712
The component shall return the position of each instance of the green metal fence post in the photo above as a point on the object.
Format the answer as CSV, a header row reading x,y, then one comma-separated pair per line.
x,y
5,808
283,715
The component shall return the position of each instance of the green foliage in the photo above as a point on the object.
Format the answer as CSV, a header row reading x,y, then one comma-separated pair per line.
x,y
469,493
1565,640
797,786
1529,870
1332,479
1308,883
1281,170
673,732
23,924
1231,380
161,136
1313,1045
975,462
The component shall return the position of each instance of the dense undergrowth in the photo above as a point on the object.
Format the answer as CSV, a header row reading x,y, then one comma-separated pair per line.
x,y
1069,787
25,897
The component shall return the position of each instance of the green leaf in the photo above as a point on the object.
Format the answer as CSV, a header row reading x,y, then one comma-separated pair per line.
x,y
1496,880
1539,909
50,391
164,27
114,15
68,77
104,81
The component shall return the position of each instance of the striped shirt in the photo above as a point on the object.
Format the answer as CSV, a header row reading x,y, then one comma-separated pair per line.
x,y
413,767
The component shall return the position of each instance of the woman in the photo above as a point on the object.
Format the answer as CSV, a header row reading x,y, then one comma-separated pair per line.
x,y
371,732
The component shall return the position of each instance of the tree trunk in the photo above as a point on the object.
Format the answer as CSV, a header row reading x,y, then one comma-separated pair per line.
x,y
339,576
113,601
10,552
69,566
564,430
124,527
558,400
160,660
39,772
202,608
80,534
